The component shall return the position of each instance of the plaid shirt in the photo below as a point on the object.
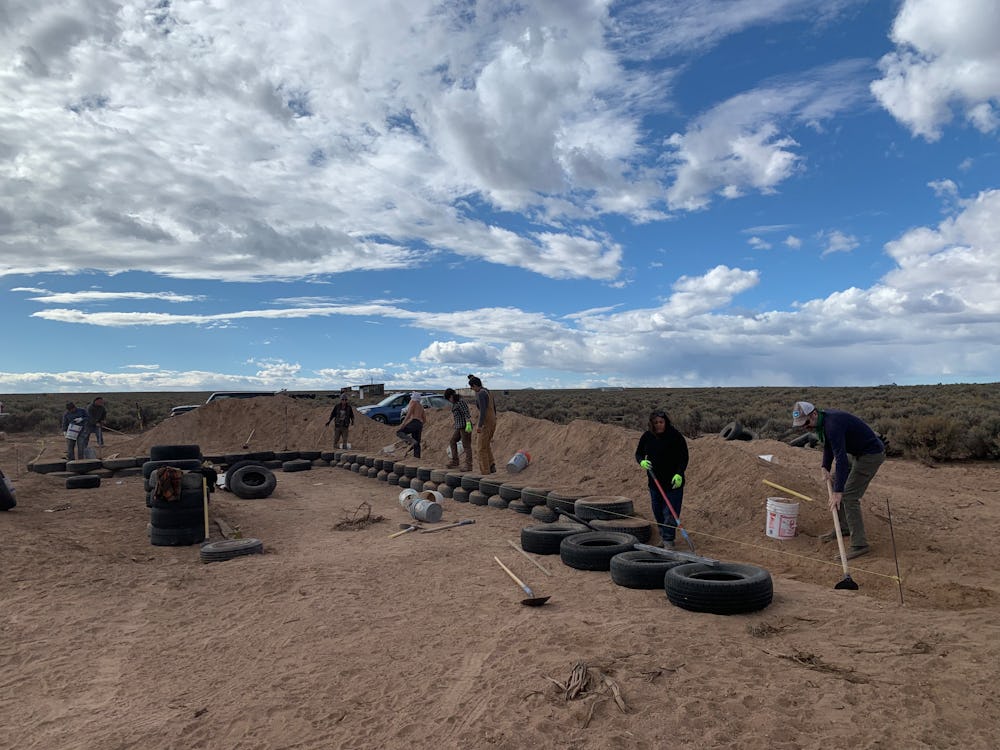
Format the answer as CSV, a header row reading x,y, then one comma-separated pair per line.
x,y
460,412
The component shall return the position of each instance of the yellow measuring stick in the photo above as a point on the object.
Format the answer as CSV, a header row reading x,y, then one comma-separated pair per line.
x,y
785,489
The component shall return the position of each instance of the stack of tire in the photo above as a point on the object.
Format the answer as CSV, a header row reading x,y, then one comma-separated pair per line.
x,y
86,473
181,520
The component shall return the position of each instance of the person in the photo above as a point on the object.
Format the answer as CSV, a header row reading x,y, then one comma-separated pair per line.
x,y
96,415
342,417
463,430
74,428
412,426
663,454
858,453
485,427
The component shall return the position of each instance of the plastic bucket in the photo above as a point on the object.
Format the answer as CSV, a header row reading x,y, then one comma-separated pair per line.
x,y
407,497
518,461
432,495
782,518
426,510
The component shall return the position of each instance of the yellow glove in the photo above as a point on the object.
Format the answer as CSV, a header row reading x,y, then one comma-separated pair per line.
x,y
468,426
646,464
676,481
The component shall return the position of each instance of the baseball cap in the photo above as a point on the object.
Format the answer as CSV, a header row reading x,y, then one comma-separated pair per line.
x,y
801,412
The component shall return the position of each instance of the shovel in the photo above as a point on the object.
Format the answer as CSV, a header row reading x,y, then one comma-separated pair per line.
x,y
246,443
847,582
407,528
532,600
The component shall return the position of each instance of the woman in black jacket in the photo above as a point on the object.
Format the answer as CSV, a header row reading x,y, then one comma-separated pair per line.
x,y
663,454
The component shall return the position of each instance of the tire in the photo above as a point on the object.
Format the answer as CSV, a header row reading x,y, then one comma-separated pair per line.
x,y
534,496
460,494
641,570
234,467
83,465
174,452
47,467
602,507
82,482
640,528
176,518
286,456
187,464
227,549
392,478
470,482
176,537
478,498
404,482
510,492
593,550
310,455
545,539
558,501
489,487
544,513
731,431
495,501
446,491
189,499
117,464
296,464
380,418
424,473
438,475
519,507
261,456
721,589
252,482
802,441
410,471
453,479
7,500
190,480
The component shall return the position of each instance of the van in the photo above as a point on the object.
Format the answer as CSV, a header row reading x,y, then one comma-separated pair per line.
x,y
219,395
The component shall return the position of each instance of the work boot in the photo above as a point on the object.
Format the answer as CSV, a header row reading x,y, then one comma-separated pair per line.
x,y
832,535
667,544
858,551
467,467
452,465
493,468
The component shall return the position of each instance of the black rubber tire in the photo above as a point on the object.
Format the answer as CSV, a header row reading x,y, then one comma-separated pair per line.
x,y
544,539
495,501
417,484
174,452
446,491
348,458
510,491
478,498
534,496
310,455
251,482
216,459
233,468
410,471
176,537
176,518
438,475
227,549
593,550
641,570
721,589
392,478
190,480
261,456
47,467
83,465
369,461
459,494
731,431
602,507
544,513
807,439
82,482
7,500
560,501
519,507
380,418
640,528
328,456
189,498
296,464
489,487
286,455
424,473
117,464
453,479
186,464
404,482
470,482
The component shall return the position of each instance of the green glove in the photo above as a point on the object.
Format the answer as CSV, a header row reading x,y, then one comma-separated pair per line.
x,y
676,481
646,464
468,426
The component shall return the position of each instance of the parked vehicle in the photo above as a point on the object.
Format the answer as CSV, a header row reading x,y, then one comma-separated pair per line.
x,y
219,395
390,409
182,409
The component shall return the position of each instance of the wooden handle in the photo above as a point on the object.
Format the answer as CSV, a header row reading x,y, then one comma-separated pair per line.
x,y
511,574
532,560
204,502
400,533
836,528
790,492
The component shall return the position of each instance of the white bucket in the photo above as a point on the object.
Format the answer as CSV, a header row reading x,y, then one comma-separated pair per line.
x,y
407,497
518,461
782,518
433,495
426,510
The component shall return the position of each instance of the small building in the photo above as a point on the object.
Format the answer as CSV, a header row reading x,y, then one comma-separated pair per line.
x,y
369,390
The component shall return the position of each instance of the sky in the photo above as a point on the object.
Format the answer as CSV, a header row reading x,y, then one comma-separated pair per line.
x,y
311,194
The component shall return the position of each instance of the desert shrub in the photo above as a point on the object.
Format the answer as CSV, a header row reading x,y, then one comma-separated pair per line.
x,y
931,438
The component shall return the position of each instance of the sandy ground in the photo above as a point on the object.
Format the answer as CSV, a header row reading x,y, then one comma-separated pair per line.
x,y
347,639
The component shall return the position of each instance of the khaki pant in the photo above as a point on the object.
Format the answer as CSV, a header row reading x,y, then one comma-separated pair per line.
x,y
460,435
340,436
863,469
484,451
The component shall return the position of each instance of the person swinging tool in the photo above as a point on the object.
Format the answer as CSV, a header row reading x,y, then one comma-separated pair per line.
x,y
663,452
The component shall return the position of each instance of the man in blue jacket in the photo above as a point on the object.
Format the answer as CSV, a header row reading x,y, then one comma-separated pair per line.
x,y
858,454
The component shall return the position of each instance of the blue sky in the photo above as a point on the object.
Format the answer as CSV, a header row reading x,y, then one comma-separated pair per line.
x,y
258,194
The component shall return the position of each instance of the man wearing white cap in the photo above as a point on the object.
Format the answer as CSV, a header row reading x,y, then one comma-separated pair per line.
x,y
413,424
858,453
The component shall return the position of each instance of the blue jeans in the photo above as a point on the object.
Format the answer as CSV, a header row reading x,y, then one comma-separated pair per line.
x,y
664,519
410,433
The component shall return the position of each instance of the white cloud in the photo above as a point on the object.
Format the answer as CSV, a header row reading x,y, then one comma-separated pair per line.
x,y
838,242
793,242
945,58
468,352
758,243
71,298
